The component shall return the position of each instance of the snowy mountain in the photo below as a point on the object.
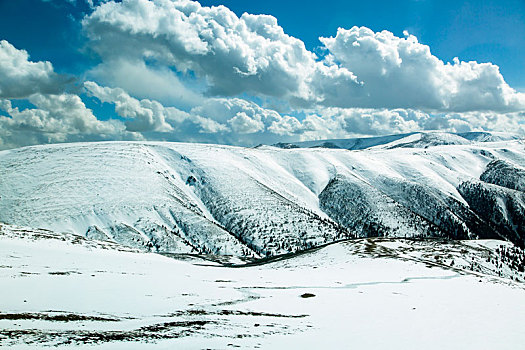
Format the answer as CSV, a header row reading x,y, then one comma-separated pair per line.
x,y
415,139
264,201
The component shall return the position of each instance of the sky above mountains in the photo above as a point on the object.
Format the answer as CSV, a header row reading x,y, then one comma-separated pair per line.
x,y
257,72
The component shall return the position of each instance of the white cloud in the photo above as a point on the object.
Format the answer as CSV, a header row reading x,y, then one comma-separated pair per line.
x,y
152,51
151,116
247,54
223,109
477,121
20,77
251,54
215,115
144,115
56,118
401,72
286,126
140,80
243,124
328,123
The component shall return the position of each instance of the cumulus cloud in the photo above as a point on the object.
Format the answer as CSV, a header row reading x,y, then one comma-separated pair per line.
x,y
477,121
236,55
143,81
20,77
175,70
56,118
286,126
223,109
214,115
253,54
243,124
145,115
326,123
149,115
238,121
401,72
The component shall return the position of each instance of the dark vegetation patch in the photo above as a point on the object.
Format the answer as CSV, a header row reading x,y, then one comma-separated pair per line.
x,y
26,273
200,312
257,314
55,317
151,333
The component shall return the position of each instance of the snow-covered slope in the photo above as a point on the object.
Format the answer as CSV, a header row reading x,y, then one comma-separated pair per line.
x,y
415,139
175,197
63,291
350,144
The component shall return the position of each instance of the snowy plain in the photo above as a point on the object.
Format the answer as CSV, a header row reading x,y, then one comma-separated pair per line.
x,y
63,291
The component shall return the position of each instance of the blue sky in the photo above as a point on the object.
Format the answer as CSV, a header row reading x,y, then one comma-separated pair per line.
x,y
343,92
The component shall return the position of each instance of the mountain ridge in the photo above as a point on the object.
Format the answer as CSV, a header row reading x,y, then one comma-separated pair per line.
x,y
215,199
404,140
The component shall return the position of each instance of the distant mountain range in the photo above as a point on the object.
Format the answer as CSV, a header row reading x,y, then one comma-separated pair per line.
x,y
269,200
414,139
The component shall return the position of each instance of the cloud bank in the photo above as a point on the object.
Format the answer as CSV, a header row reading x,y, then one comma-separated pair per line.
x,y
401,72
252,54
178,71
